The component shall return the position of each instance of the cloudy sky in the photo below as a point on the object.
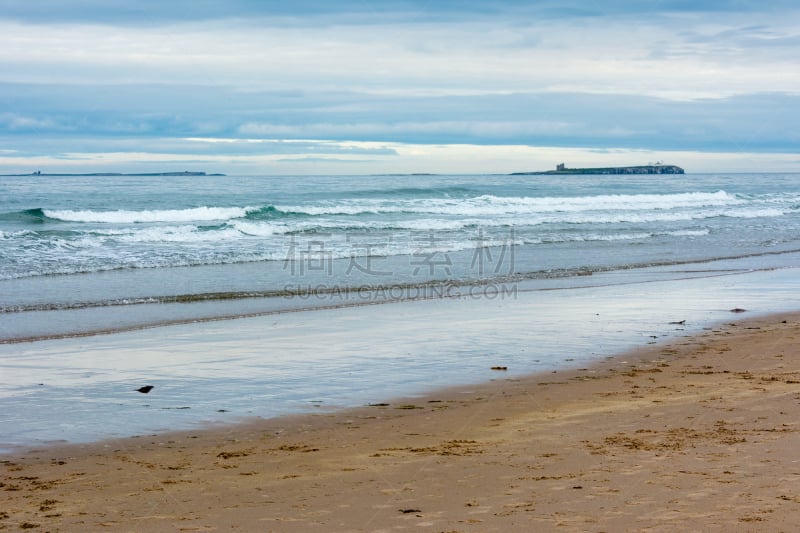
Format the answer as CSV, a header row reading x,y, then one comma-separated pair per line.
x,y
372,86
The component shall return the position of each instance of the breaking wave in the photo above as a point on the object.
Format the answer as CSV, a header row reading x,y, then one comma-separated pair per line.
x,y
41,241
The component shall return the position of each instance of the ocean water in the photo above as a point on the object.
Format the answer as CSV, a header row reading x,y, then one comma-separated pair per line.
x,y
90,254
241,297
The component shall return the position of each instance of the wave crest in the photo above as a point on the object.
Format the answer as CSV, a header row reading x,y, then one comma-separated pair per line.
x,y
194,214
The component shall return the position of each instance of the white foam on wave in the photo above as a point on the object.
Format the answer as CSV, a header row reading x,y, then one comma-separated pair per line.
x,y
688,233
480,206
179,234
651,216
611,237
195,214
430,224
6,235
259,229
622,202
753,213
490,205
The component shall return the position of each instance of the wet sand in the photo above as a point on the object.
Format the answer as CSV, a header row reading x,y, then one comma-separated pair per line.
x,y
698,434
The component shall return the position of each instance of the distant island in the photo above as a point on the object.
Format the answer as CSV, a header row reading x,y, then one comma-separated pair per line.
x,y
658,168
59,174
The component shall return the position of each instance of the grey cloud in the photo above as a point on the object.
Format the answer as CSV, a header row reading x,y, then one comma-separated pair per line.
x,y
299,160
158,119
31,146
149,12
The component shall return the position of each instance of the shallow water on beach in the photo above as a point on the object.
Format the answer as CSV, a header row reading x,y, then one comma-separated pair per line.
x,y
82,389
88,254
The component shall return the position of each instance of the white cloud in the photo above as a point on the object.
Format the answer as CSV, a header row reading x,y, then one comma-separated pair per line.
x,y
18,122
487,129
676,55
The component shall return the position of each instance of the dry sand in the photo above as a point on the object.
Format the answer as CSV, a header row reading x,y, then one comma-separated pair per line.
x,y
699,434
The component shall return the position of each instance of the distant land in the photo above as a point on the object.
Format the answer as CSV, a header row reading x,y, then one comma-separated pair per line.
x,y
59,174
658,168
399,175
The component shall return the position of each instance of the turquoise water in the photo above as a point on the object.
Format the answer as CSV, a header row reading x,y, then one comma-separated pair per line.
x,y
243,297
89,254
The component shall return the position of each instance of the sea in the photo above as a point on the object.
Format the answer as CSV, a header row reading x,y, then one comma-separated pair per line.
x,y
318,292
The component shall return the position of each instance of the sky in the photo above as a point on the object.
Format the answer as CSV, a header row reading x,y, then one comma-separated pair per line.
x,y
370,86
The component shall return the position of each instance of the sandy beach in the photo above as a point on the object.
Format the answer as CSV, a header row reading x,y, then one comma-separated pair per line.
x,y
700,434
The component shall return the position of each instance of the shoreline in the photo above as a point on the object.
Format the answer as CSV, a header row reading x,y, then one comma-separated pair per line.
x,y
694,430
80,389
302,298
